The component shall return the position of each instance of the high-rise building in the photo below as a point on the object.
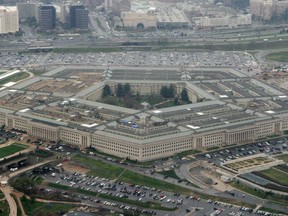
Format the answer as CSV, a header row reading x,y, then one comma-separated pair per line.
x,y
78,17
9,21
108,4
27,10
47,17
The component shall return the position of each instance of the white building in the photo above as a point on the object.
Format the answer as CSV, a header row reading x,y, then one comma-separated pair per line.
x,y
9,21
108,4
228,21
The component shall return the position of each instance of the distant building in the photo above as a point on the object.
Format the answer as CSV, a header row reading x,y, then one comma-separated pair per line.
x,y
120,6
47,17
171,18
141,6
108,4
227,21
9,20
265,9
138,20
78,17
27,10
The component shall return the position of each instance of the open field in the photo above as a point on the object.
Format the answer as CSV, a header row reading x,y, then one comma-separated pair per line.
x,y
274,175
9,150
14,78
44,209
248,163
278,56
283,157
98,168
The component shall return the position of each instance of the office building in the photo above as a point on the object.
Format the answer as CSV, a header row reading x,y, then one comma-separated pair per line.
x,y
9,21
265,9
47,17
27,10
78,17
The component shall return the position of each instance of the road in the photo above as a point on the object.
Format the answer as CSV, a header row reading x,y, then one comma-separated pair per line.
x,y
7,191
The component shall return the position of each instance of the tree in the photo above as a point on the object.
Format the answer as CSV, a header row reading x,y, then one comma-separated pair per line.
x,y
164,91
127,89
184,95
119,90
24,185
106,91
171,91
176,101
167,92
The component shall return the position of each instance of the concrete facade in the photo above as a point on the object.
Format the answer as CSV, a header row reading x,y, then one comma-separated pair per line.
x,y
9,20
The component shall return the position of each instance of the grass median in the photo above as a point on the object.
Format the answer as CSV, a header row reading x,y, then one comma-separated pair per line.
x,y
282,200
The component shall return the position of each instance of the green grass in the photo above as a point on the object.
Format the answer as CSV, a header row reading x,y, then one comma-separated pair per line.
x,y
166,104
212,148
283,157
278,56
275,175
1,195
169,173
99,168
152,99
42,153
274,211
87,49
38,180
4,208
283,200
45,209
14,78
9,150
189,152
141,164
139,179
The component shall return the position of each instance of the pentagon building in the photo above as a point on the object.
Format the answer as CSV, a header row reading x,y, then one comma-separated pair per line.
x,y
228,107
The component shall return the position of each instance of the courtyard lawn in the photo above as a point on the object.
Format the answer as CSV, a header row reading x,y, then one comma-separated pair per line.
x,y
275,175
11,149
99,168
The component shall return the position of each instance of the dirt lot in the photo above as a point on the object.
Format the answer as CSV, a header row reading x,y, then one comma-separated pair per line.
x,y
68,166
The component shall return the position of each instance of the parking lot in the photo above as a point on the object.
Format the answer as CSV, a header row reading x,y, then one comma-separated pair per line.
x,y
272,147
226,59
140,193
